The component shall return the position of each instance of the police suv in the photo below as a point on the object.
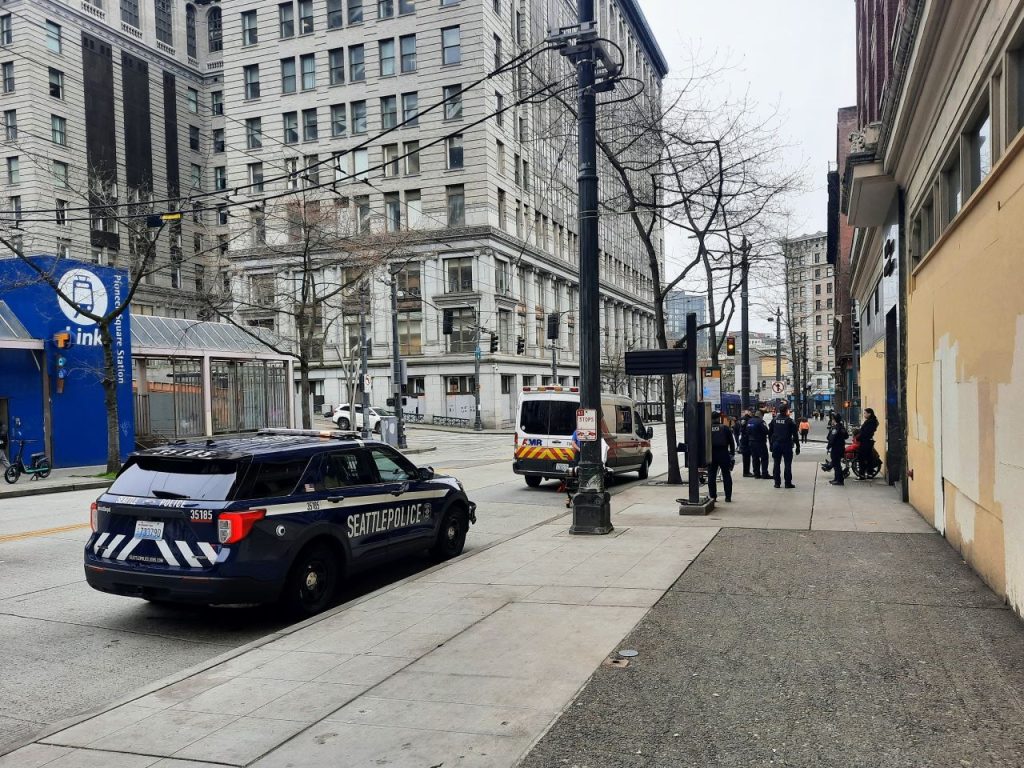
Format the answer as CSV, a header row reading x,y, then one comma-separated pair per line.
x,y
282,515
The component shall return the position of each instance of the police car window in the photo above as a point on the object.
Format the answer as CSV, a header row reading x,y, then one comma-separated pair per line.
x,y
347,468
623,419
272,478
391,467
161,477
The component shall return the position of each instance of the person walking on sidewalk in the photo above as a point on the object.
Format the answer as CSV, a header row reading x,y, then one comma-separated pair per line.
x,y
757,440
739,431
723,449
805,428
784,438
866,440
836,442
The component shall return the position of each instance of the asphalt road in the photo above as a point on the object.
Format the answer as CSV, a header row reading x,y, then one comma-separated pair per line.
x,y
68,649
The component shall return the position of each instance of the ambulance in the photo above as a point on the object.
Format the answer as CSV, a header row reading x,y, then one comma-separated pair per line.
x,y
545,423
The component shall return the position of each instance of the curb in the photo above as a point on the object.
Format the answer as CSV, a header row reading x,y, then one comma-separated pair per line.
x,y
39,490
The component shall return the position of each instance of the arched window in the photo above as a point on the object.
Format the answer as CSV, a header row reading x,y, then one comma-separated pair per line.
x,y
213,27
190,29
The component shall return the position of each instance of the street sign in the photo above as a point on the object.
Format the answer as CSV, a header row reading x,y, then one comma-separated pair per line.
x,y
711,386
656,362
778,387
586,424
366,383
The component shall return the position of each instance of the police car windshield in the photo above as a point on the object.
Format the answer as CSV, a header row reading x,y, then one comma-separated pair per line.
x,y
548,417
162,477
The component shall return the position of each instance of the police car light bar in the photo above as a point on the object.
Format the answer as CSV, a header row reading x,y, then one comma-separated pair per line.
x,y
551,388
326,434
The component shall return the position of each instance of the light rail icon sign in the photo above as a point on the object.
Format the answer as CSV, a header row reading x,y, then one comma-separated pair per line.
x,y
86,291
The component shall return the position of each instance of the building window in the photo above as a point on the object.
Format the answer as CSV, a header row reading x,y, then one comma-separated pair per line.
x,y
251,76
15,209
451,49
360,163
7,70
362,204
406,6
193,138
256,176
500,146
309,128
61,212
411,150
13,170
389,153
356,63
220,178
408,49
311,176
385,9
219,143
214,30
388,112
130,12
386,50
413,209
253,132
497,52
290,127
454,147
192,100
53,36
308,65
358,114
60,174
250,33
410,110
288,75
164,21
335,14
462,339
56,83
338,123
191,42
502,209
286,20
953,188
336,65
392,212
306,17
459,273
452,95
355,11
499,110
6,30
196,175
455,196
217,103
59,130
979,145
11,125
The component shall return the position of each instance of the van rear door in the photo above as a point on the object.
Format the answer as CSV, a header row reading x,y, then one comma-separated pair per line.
x,y
546,424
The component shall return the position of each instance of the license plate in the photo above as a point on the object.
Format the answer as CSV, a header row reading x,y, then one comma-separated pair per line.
x,y
144,529
561,467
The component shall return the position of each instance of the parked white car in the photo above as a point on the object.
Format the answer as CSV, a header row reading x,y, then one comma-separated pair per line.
x,y
342,416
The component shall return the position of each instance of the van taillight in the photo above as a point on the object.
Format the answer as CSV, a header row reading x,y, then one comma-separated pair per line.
x,y
93,522
235,526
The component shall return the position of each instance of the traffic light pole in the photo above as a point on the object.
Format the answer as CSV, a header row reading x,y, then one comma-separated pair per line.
x,y
478,425
554,363
396,364
591,508
745,326
364,430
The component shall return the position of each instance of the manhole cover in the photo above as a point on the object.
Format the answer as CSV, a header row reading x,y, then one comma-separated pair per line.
x,y
628,653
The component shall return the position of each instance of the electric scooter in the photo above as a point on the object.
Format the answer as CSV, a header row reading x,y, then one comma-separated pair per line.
x,y
39,465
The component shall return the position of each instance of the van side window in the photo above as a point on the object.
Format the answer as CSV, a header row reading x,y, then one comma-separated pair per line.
x,y
623,420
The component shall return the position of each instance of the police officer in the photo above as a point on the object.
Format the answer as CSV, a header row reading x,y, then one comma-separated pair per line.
x,y
836,443
757,444
739,431
723,448
784,437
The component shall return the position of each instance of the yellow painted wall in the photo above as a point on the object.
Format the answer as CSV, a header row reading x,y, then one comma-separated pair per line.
x,y
965,383
872,389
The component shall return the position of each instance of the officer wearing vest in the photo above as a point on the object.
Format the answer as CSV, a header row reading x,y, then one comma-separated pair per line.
x,y
723,448
783,436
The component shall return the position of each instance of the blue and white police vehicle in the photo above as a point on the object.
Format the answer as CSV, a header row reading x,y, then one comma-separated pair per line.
x,y
280,516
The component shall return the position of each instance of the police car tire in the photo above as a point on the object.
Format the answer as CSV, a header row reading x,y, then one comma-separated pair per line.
x,y
645,468
533,480
451,538
297,598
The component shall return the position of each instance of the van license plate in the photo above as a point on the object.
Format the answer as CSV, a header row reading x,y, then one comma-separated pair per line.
x,y
561,467
144,529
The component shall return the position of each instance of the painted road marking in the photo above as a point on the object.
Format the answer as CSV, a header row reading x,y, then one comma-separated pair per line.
x,y
42,532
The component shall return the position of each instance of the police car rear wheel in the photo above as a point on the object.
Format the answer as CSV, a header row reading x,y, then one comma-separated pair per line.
x,y
312,581
451,539
533,480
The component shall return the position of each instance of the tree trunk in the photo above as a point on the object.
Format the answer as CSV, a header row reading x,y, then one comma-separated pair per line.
x,y
668,391
307,419
110,400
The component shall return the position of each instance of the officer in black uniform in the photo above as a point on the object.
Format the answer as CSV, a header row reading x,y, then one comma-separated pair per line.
x,y
723,448
784,437
739,431
757,444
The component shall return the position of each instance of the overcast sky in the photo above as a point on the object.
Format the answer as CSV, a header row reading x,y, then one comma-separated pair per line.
x,y
793,56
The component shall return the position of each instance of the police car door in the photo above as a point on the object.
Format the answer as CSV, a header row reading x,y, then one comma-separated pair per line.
x,y
348,484
409,513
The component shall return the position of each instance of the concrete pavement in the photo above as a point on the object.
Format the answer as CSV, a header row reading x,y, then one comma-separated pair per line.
x,y
800,634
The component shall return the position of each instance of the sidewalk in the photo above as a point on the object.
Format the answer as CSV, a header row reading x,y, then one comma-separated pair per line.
x,y
794,638
72,479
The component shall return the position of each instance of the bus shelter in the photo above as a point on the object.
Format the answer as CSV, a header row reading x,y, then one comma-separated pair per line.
x,y
195,378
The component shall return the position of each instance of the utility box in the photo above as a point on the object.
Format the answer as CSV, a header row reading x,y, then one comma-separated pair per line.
x,y
389,430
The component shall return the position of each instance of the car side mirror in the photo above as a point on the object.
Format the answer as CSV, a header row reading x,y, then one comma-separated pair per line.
x,y
649,433
425,473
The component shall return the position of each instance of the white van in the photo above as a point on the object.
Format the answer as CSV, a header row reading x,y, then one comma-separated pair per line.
x,y
545,424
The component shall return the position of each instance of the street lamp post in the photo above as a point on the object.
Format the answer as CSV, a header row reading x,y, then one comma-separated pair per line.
x,y
778,342
396,364
364,430
745,326
478,425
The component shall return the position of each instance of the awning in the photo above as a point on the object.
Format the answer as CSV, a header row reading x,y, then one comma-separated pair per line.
x,y
872,192
14,335
172,336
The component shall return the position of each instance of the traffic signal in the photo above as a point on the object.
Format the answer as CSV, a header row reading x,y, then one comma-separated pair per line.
x,y
552,325
520,345
447,321
494,343
730,346
855,333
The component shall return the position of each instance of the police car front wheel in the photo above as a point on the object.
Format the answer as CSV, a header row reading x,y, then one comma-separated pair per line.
x,y
312,580
451,539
